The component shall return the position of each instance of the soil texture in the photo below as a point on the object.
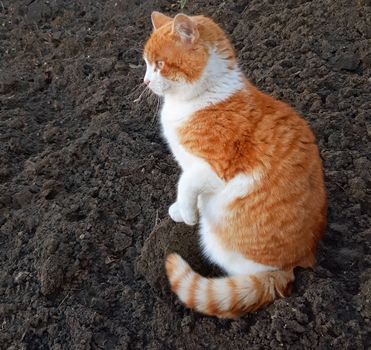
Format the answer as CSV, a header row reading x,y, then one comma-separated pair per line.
x,y
86,178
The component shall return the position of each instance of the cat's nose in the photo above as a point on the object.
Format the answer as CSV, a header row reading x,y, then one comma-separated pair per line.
x,y
146,81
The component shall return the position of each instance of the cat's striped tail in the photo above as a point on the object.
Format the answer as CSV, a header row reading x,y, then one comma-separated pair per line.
x,y
225,297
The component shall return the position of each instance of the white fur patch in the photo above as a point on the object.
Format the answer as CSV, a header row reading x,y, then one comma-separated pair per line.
x,y
150,71
184,286
213,206
174,213
156,82
222,294
201,295
194,181
246,294
179,269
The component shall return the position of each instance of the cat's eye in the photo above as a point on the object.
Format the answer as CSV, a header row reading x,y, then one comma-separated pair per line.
x,y
160,64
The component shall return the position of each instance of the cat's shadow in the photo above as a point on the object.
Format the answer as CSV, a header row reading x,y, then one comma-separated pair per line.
x,y
169,237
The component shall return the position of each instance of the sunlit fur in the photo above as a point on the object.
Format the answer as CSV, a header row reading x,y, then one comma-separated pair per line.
x,y
251,171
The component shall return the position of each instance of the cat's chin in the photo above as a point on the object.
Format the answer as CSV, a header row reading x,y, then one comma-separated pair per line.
x,y
162,89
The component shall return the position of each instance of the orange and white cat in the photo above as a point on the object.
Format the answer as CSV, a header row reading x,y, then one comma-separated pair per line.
x,y
251,170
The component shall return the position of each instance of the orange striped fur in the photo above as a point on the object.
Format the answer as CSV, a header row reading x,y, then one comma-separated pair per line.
x,y
244,142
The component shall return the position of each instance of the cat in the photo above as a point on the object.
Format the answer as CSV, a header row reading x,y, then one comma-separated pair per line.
x,y
251,171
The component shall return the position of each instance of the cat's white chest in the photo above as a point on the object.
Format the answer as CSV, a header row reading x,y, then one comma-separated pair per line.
x,y
173,116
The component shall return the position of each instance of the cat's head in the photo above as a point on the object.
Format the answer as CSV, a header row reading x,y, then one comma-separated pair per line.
x,y
182,50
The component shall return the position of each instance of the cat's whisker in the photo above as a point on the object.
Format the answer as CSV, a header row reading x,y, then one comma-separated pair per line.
x,y
154,118
152,98
158,107
138,99
136,88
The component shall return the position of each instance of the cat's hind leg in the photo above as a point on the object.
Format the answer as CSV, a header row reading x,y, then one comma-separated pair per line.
x,y
232,262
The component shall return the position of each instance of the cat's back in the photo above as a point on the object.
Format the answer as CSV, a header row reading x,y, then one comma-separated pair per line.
x,y
246,130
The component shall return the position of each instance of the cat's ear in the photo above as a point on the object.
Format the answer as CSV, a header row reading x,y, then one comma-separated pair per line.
x,y
185,28
159,19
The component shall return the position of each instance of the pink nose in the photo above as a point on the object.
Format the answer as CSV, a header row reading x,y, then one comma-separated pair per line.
x,y
146,81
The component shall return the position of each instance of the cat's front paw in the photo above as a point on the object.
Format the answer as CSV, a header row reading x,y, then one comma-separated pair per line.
x,y
183,214
189,215
174,212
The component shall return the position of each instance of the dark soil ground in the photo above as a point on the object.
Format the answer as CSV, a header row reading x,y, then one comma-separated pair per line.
x,y
86,179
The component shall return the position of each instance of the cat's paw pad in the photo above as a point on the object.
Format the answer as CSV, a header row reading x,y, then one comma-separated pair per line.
x,y
174,212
